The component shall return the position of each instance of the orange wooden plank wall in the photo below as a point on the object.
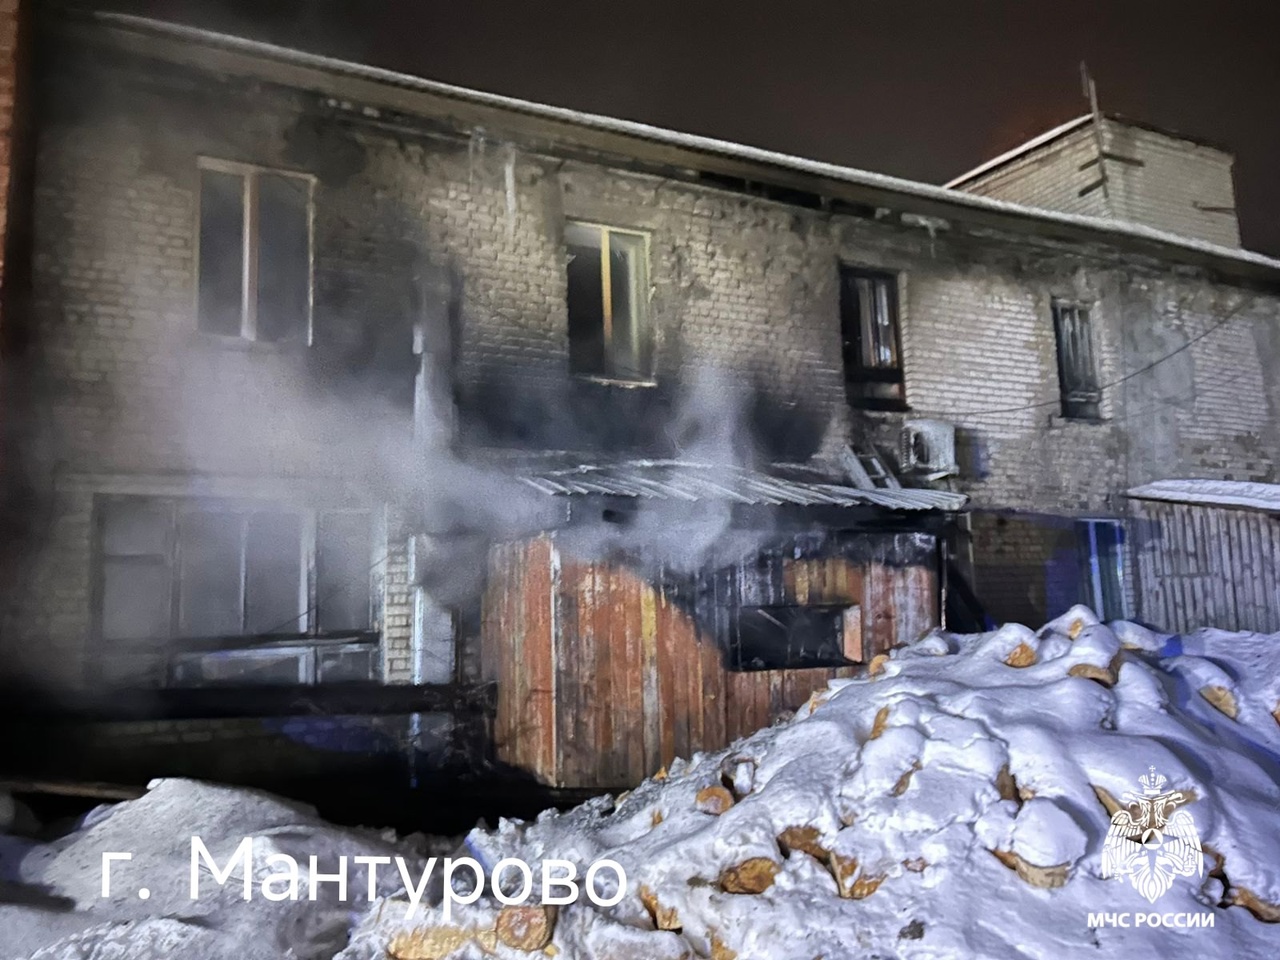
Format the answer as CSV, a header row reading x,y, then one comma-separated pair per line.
x,y
602,678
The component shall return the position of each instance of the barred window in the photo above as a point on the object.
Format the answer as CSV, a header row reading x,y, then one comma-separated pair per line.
x,y
1077,366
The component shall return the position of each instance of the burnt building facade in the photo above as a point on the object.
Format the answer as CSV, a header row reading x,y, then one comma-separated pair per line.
x,y
337,377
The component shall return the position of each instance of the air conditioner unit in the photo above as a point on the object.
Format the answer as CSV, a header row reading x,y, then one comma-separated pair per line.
x,y
929,449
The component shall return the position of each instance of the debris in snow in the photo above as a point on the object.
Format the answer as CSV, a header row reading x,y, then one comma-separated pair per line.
x,y
951,803
946,805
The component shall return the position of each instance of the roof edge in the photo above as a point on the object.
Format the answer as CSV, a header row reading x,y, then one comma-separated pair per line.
x,y
1056,133
1041,140
923,197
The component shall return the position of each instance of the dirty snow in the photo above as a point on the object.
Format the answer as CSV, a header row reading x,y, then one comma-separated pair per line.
x,y
1222,493
946,805
917,775
64,915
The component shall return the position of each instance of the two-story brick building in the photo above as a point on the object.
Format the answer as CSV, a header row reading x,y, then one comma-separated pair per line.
x,y
339,375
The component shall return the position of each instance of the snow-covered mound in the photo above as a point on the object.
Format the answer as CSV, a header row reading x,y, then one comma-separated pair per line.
x,y
64,916
952,803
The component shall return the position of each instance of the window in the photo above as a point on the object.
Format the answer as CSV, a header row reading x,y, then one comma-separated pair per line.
x,y
869,331
215,570
608,294
795,637
1077,369
1102,567
254,253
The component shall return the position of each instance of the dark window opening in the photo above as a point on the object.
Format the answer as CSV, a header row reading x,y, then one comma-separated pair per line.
x,y
179,578
794,637
608,301
255,253
870,338
1102,567
342,558
1077,367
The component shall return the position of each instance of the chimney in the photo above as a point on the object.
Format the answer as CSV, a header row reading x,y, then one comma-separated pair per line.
x,y
1118,169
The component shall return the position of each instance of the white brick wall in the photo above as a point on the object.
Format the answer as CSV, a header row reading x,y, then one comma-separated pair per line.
x,y
128,388
1176,184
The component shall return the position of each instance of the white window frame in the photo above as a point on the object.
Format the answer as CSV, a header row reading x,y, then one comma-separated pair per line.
x,y
249,173
643,301
309,601
1097,599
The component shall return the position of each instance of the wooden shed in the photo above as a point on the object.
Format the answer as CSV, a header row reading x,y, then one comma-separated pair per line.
x,y
608,667
1208,554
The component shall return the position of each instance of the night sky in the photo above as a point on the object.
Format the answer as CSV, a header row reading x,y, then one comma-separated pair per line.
x,y
923,89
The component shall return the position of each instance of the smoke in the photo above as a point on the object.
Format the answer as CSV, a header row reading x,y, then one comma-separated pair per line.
x,y
383,403
709,433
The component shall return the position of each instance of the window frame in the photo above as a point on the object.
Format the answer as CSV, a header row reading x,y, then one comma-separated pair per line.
x,y
645,287
1080,403
847,648
1092,561
174,643
858,373
249,174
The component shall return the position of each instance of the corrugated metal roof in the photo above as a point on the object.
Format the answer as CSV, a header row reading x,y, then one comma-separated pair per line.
x,y
692,482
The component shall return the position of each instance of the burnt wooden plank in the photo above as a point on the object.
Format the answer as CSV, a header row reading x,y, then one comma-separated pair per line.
x,y
573,631
714,732
606,699
738,706
777,703
688,674
506,644
589,752
650,680
878,621
540,629
628,598
671,691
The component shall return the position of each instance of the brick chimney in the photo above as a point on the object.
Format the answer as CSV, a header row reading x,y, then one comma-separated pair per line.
x,y
1141,174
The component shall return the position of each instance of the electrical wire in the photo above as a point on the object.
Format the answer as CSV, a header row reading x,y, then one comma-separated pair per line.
x,y
1231,315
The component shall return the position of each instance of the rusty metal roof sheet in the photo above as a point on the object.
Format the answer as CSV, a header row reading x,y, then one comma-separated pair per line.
x,y
692,482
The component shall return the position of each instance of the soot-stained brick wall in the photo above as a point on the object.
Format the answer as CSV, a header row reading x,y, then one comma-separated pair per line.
x,y
424,220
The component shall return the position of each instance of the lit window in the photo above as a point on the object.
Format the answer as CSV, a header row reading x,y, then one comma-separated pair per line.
x,y
254,253
608,296
869,331
1077,368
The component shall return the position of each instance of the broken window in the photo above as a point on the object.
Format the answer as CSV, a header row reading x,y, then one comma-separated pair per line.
x,y
1077,368
787,637
216,570
608,298
871,342
1102,567
254,253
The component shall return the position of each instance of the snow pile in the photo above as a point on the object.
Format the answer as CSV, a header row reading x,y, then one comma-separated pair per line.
x,y
63,914
952,803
